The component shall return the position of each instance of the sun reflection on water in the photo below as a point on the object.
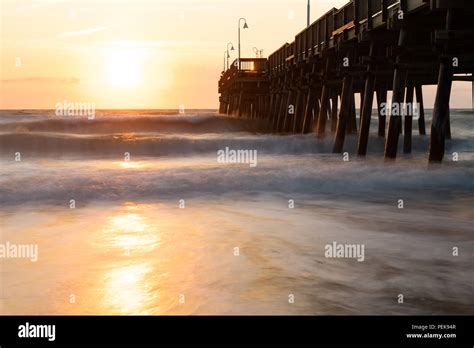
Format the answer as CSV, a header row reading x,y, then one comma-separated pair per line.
x,y
130,165
128,282
128,223
127,289
131,231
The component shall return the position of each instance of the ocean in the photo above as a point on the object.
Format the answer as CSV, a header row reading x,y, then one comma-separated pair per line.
x,y
133,213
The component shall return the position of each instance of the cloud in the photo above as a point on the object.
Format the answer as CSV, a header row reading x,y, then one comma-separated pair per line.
x,y
81,32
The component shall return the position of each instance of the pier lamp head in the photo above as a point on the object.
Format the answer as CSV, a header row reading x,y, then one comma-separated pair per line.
x,y
232,48
245,25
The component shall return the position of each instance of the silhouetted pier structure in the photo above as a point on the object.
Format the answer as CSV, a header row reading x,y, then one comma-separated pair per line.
x,y
368,47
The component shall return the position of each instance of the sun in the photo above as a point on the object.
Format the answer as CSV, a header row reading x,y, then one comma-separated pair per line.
x,y
123,68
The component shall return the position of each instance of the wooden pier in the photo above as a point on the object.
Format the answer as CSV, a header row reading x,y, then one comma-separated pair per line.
x,y
367,47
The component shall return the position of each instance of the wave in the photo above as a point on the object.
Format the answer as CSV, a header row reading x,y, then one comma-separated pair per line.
x,y
152,145
116,132
156,145
125,124
176,178
133,121
38,114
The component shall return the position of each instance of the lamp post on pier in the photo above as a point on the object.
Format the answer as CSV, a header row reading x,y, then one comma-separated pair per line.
x,y
244,27
309,13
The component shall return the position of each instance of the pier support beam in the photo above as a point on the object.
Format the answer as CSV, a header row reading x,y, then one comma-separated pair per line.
x,y
234,104
441,107
299,111
344,114
382,108
240,105
281,112
440,112
304,99
226,105
260,110
407,139
421,110
366,110
361,105
266,106
256,107
275,107
325,101
334,109
308,114
395,123
317,107
323,111
352,126
229,105
269,107
290,106
244,107
366,115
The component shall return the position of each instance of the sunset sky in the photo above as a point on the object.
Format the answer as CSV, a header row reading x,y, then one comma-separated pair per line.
x,y
140,53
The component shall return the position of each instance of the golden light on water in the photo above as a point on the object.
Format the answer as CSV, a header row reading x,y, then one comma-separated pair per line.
x,y
128,285
130,259
132,232
127,290
130,165
128,223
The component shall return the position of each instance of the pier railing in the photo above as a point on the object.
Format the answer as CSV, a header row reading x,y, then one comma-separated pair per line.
x,y
313,40
249,67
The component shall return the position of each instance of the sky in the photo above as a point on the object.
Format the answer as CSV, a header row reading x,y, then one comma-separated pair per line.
x,y
140,53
